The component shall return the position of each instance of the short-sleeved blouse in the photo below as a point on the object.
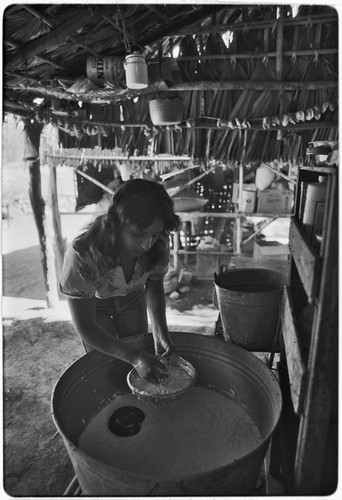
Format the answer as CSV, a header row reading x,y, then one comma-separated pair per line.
x,y
82,279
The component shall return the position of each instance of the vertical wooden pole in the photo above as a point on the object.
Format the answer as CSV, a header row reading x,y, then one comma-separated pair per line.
x,y
175,249
279,64
238,221
55,218
32,132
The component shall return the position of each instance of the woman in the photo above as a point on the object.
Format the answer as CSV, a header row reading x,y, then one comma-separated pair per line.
x,y
115,269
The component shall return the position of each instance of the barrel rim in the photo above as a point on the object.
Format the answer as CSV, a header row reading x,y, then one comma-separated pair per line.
x,y
171,478
177,478
252,269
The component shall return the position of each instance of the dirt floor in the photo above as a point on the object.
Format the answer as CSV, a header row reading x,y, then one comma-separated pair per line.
x,y
38,345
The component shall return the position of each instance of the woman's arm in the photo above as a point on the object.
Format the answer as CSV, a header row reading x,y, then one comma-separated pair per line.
x,y
84,320
156,304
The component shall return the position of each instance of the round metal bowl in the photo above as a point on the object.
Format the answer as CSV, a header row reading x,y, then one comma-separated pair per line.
x,y
152,394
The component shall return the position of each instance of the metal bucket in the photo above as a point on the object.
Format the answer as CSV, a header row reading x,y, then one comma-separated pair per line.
x,y
166,111
249,301
93,379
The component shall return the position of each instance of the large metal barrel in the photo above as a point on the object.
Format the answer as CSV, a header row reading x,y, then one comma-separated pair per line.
x,y
232,371
249,301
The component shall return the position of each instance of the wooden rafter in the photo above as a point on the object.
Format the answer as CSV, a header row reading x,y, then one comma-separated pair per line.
x,y
76,39
106,96
51,40
157,12
172,27
257,25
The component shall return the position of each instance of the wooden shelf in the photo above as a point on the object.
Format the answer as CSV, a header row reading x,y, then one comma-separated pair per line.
x,y
308,263
198,252
229,215
309,352
295,362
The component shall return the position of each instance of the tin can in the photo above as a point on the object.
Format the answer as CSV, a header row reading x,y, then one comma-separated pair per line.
x,y
106,69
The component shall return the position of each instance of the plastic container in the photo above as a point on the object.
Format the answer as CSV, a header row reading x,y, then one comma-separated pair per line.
x,y
136,71
314,210
223,367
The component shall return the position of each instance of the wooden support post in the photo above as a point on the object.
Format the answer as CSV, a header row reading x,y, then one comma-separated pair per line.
x,y
279,64
31,156
55,220
238,222
175,249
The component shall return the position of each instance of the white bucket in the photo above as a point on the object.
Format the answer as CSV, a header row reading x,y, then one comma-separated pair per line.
x,y
136,71
106,69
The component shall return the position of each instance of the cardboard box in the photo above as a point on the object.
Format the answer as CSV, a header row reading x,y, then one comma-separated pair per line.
x,y
274,201
207,265
249,195
248,201
270,250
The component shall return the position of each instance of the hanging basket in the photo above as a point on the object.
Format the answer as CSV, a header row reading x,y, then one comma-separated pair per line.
x,y
166,111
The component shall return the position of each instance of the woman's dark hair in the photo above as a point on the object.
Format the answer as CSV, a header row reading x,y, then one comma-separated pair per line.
x,y
137,202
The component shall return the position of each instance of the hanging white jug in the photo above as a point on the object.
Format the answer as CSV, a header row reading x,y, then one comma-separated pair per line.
x,y
136,71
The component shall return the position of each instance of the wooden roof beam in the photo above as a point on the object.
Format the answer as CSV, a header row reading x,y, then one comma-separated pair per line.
x,y
246,55
156,11
11,43
76,39
256,25
20,76
51,40
116,27
110,96
172,27
21,110
49,61
16,108
39,16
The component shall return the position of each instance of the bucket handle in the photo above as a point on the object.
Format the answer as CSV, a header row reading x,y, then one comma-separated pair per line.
x,y
223,269
214,298
278,330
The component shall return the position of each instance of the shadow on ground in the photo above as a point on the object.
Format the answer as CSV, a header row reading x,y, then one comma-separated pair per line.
x,y
36,353
23,274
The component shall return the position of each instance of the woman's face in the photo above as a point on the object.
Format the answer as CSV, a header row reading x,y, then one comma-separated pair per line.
x,y
135,242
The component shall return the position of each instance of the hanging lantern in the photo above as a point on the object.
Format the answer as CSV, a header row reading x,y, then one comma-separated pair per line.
x,y
136,71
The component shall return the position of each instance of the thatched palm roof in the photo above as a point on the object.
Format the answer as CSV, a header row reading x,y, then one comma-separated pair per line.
x,y
264,94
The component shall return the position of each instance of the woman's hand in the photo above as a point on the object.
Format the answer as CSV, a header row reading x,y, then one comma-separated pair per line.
x,y
83,313
163,344
150,367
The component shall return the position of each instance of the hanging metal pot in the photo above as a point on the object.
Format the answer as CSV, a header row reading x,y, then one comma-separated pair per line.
x,y
166,111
